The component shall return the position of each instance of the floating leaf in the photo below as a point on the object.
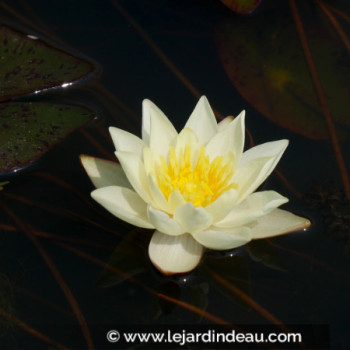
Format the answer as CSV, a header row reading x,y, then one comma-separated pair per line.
x,y
28,130
264,59
242,6
29,64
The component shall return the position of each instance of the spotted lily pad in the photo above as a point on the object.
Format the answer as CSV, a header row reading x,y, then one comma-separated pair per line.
x,y
28,130
264,59
28,65
242,6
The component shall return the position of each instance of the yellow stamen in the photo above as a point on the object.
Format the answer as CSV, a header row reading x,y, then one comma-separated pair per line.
x,y
201,183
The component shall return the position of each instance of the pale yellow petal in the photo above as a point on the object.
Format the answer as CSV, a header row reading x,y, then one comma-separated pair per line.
x,y
222,239
135,172
230,139
251,175
163,222
187,138
225,122
192,219
157,196
146,121
223,205
150,160
202,121
125,141
104,172
174,254
175,200
124,204
276,223
254,206
158,131
273,150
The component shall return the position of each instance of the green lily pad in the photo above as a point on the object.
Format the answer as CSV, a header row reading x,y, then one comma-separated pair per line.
x,y
28,130
242,6
266,63
28,65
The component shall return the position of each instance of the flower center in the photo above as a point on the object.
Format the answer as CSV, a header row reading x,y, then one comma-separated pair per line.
x,y
200,183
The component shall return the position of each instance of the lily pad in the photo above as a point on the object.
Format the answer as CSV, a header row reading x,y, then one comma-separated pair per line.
x,y
265,61
28,130
28,65
242,6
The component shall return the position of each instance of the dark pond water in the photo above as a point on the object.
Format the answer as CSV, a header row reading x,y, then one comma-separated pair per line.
x,y
56,241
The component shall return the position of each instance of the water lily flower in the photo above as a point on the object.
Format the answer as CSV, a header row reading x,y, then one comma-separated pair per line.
x,y
196,188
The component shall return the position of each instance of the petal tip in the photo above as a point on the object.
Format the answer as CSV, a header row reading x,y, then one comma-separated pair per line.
x,y
307,223
85,161
147,104
285,142
241,115
83,158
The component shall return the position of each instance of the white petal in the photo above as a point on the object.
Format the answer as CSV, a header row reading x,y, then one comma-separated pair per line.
x,y
230,139
221,239
157,131
192,219
202,121
125,141
273,149
249,176
149,160
256,205
187,137
103,172
276,223
157,195
223,205
256,165
163,223
175,200
225,122
135,172
124,204
146,121
162,135
174,254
